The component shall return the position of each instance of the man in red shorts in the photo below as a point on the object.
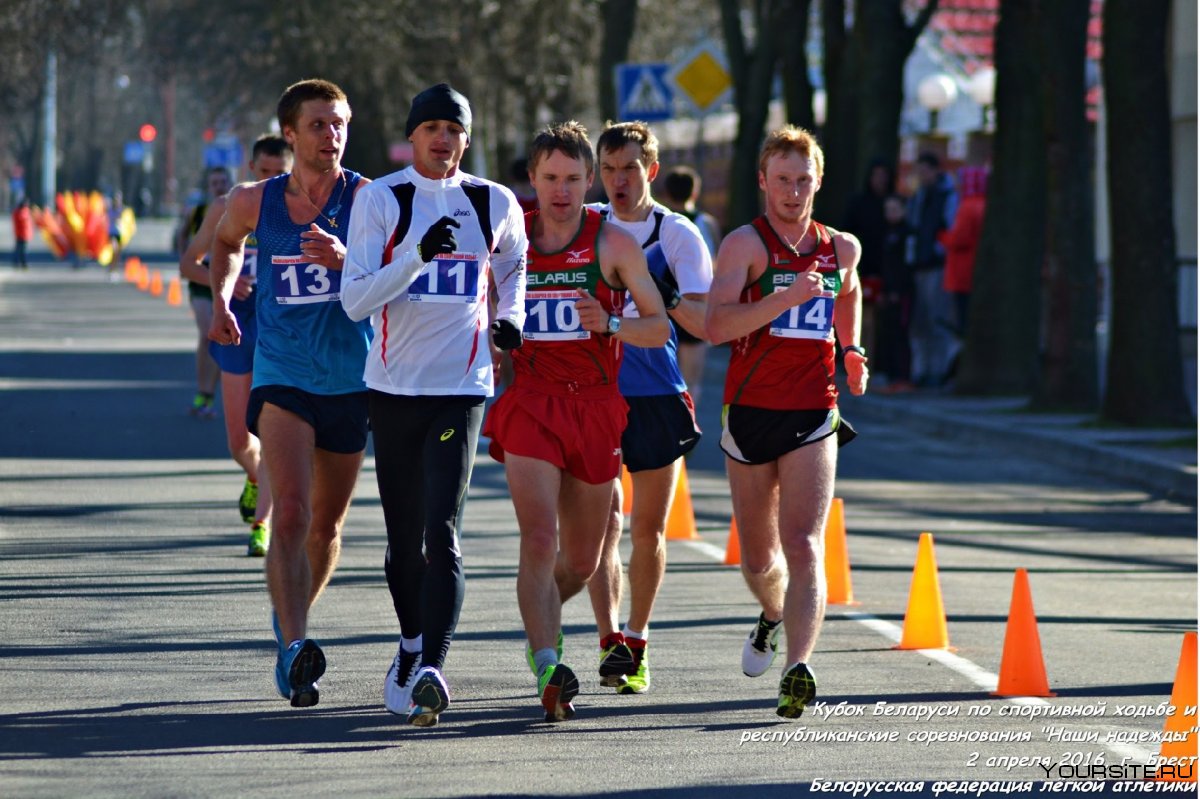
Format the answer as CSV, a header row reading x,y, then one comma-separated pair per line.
x,y
783,285
558,427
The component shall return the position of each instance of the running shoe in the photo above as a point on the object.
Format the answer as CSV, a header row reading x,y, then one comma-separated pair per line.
x,y
639,681
297,670
759,649
260,540
202,406
397,687
796,689
557,686
278,631
430,697
248,501
616,660
529,654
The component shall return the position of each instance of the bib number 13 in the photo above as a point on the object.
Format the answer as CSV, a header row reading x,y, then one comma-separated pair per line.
x,y
299,283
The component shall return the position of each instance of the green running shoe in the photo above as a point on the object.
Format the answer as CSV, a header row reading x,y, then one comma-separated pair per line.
x,y
248,501
796,689
616,661
557,686
529,654
260,540
639,681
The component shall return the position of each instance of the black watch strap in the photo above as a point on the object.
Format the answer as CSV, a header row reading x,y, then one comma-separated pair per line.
x,y
854,348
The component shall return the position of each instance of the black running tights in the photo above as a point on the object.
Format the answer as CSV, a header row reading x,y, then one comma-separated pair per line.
x,y
424,452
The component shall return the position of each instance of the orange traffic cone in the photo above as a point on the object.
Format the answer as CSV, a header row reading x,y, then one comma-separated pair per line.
x,y
1181,729
143,278
681,522
174,292
156,284
837,557
1022,669
626,491
131,268
733,550
925,619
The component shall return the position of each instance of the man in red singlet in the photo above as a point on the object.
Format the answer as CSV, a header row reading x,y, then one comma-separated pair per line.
x,y
558,427
783,285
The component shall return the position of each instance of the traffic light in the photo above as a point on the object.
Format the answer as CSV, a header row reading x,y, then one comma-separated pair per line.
x,y
147,132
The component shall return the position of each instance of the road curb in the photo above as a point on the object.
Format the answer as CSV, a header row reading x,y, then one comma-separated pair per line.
x,y
1061,448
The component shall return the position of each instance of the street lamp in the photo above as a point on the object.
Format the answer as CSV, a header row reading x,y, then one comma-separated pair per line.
x,y
935,93
982,88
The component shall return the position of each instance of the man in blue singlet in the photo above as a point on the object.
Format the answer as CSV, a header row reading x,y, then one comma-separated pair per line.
x,y
308,403
270,156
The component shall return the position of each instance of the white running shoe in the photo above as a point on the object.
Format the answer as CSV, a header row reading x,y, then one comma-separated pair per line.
x,y
397,687
760,646
430,696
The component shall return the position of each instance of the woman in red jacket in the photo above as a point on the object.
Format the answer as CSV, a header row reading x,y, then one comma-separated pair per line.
x,y
962,240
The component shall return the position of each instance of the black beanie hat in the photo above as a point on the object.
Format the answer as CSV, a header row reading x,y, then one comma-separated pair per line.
x,y
439,102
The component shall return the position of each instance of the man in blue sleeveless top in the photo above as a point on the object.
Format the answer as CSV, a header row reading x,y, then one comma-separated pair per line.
x,y
308,403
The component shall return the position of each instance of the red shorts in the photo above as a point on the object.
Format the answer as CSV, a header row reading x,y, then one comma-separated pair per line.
x,y
578,430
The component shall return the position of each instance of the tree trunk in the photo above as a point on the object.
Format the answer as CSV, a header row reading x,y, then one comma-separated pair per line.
x,y
753,71
620,17
1145,379
1000,356
864,125
791,38
839,136
1068,373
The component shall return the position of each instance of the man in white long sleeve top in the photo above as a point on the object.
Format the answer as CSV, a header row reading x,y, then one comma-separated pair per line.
x,y
426,246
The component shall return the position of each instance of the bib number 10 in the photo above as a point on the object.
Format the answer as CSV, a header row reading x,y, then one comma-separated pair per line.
x,y
551,316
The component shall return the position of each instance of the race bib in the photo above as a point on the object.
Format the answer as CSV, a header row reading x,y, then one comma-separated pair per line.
x,y
298,282
813,319
448,278
551,316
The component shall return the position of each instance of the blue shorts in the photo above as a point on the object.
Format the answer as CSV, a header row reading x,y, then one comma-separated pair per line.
x,y
339,421
238,359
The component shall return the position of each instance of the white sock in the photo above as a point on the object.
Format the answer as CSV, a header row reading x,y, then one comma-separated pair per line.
x,y
411,644
628,632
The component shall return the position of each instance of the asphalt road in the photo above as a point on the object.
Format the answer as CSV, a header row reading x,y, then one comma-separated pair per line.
x,y
136,658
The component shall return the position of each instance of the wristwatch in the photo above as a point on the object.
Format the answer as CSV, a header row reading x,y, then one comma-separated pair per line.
x,y
614,325
854,348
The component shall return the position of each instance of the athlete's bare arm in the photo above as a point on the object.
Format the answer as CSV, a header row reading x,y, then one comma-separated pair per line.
x,y
741,260
190,265
225,257
847,309
623,263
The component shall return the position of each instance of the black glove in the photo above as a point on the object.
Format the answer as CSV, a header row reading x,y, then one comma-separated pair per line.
x,y
670,294
505,335
438,240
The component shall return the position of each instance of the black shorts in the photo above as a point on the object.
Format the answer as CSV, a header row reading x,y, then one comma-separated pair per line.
x,y
338,420
661,430
758,435
198,291
684,336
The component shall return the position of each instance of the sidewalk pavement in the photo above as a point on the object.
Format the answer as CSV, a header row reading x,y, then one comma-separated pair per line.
x,y
1161,461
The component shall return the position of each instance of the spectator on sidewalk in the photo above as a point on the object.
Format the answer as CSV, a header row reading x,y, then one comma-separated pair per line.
x,y
962,242
895,299
930,211
864,218
22,222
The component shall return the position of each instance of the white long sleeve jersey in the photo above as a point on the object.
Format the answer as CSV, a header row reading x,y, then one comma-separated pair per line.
x,y
431,319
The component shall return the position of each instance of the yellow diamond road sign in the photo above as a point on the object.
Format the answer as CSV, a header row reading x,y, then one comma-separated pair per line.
x,y
703,78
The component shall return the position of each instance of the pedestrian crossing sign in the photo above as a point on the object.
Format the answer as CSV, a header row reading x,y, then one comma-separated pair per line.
x,y
644,93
